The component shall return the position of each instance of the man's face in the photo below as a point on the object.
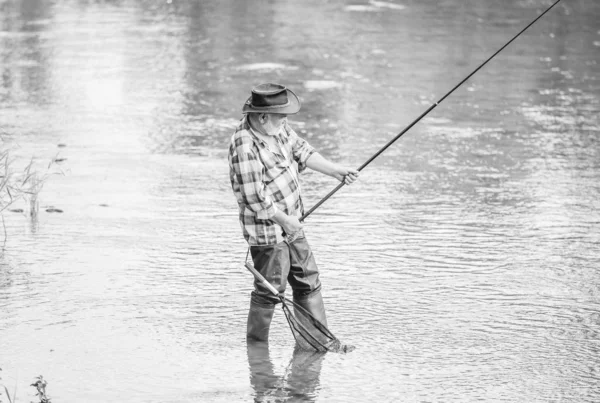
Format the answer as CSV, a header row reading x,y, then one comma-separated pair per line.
x,y
274,123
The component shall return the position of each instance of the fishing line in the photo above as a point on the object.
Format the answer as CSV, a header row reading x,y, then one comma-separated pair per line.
x,y
432,107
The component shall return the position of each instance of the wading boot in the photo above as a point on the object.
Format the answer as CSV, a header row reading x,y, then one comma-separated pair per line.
x,y
313,303
259,321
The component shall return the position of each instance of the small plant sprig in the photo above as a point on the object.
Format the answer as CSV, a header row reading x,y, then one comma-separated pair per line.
x,y
40,385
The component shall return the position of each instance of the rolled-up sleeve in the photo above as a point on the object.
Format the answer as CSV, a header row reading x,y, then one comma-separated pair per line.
x,y
248,172
301,150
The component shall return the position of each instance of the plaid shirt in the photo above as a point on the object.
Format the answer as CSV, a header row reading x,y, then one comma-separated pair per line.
x,y
265,181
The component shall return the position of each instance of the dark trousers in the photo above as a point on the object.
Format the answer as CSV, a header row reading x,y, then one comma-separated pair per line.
x,y
284,262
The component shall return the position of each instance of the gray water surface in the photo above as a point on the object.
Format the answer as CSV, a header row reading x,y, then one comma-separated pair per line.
x,y
463,265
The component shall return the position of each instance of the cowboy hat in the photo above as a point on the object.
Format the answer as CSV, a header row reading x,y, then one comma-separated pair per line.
x,y
272,98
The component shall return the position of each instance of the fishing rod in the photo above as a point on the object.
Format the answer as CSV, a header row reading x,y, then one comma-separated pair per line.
x,y
432,107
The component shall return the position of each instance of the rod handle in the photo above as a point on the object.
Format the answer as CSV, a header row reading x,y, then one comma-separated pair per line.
x,y
260,277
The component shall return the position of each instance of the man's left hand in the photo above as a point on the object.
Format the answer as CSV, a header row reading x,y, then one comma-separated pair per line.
x,y
347,175
350,177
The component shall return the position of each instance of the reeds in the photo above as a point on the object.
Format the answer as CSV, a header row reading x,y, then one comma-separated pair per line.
x,y
19,185
10,400
24,185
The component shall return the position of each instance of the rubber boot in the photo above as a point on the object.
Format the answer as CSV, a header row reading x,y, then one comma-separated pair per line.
x,y
315,337
313,303
259,321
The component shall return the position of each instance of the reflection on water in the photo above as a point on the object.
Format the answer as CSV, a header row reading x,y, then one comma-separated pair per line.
x,y
463,264
300,381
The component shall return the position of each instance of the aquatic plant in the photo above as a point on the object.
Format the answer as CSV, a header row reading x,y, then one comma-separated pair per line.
x,y
15,186
24,185
40,385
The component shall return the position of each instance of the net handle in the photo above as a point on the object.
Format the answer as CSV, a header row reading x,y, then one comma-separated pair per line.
x,y
260,277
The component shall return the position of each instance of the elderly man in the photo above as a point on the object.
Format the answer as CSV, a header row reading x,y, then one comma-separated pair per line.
x,y
265,159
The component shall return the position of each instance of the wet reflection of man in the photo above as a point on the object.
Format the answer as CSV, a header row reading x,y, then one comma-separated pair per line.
x,y
299,382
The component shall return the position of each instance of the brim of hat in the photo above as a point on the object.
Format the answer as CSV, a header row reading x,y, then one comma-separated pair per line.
x,y
292,107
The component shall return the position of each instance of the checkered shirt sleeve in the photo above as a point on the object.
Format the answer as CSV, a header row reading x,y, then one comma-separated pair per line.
x,y
300,148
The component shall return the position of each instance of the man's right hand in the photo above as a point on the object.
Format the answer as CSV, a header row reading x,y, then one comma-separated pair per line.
x,y
290,224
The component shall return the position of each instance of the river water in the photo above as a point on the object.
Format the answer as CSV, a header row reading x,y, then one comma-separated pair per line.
x,y
463,265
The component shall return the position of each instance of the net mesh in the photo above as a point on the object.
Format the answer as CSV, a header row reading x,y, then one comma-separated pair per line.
x,y
310,334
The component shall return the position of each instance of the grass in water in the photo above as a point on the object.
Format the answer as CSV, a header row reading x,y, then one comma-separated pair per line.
x,y
24,185
10,400
40,386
